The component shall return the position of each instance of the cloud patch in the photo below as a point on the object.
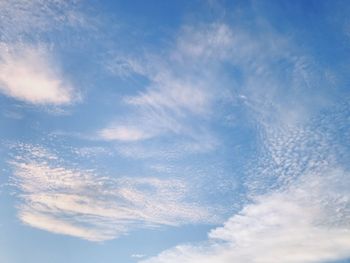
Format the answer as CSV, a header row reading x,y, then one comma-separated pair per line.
x,y
123,133
28,18
81,204
294,226
180,95
29,74
298,202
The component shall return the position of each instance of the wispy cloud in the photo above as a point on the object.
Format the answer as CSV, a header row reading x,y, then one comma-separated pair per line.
x,y
178,100
294,225
22,18
298,207
188,83
79,203
297,204
123,133
205,42
167,150
29,74
298,201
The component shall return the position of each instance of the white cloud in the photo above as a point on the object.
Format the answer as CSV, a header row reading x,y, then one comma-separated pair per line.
x,y
123,133
189,82
294,226
168,106
173,94
79,203
52,223
29,74
299,210
28,70
274,78
181,94
299,201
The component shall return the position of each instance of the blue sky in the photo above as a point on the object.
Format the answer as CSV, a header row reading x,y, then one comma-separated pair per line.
x,y
174,131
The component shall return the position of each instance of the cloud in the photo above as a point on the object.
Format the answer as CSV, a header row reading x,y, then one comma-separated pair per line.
x,y
214,65
294,225
170,93
123,133
28,69
267,73
29,74
167,107
81,204
91,151
288,152
179,98
22,18
297,204
209,41
167,150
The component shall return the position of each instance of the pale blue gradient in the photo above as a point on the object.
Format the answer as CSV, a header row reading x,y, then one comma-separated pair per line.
x,y
182,113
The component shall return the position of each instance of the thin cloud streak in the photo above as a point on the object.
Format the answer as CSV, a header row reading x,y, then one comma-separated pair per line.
x,y
123,133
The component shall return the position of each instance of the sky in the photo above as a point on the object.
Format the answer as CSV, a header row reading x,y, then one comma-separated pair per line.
x,y
174,131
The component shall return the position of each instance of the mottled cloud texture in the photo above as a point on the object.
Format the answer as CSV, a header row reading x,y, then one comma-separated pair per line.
x,y
79,203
